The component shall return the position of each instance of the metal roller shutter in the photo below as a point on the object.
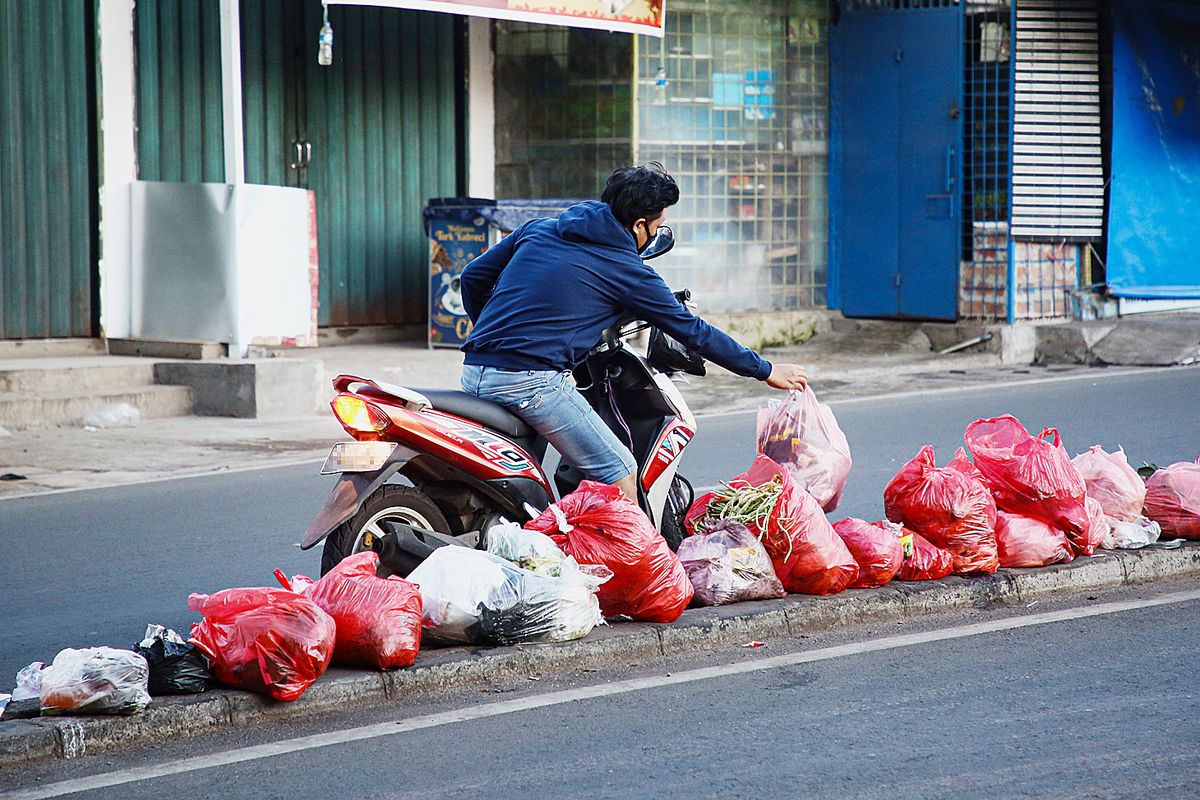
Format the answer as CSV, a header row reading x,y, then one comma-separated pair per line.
x,y
1058,178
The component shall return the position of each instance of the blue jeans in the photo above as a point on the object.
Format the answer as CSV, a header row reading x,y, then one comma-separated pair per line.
x,y
549,403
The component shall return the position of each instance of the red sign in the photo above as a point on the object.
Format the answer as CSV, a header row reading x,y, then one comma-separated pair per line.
x,y
627,16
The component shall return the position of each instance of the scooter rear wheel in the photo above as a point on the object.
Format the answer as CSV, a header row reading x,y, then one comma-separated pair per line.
x,y
388,503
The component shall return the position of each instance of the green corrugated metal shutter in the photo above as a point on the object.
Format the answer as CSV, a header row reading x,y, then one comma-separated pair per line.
x,y
47,218
180,134
383,125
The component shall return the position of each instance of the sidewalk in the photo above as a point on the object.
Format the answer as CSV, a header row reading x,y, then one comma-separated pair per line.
x,y
441,670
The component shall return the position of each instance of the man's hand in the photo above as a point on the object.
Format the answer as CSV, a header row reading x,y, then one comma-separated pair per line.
x,y
787,376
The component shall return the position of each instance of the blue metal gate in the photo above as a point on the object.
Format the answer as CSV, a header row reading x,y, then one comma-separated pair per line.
x,y
897,97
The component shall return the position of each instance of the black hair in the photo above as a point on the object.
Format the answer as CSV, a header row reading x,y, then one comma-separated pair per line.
x,y
640,192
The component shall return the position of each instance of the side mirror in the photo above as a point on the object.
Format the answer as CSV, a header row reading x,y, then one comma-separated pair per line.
x,y
662,242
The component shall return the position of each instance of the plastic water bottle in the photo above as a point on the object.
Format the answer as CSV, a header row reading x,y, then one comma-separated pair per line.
x,y
325,45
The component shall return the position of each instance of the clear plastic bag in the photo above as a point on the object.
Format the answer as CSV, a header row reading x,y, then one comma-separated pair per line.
x,y
29,682
1133,535
477,597
95,680
728,564
529,550
802,435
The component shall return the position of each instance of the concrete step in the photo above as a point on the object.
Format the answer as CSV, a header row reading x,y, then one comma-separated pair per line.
x,y
164,348
39,376
62,409
51,348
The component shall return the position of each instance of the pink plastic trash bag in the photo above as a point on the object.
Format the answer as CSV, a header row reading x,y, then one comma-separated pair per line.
x,y
801,434
1112,482
948,506
1029,475
1173,499
875,546
1027,542
727,564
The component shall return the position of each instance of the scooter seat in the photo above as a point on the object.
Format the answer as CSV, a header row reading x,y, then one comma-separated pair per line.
x,y
485,412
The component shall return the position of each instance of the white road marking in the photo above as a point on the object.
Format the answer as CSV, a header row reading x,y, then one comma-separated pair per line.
x,y
1091,375
258,752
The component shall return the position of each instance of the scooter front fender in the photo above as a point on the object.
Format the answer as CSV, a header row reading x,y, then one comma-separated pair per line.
x,y
349,493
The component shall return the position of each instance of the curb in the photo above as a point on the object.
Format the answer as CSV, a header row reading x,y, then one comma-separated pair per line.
x,y
23,741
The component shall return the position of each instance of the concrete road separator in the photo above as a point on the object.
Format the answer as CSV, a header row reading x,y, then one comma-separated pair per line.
x,y
517,705
697,630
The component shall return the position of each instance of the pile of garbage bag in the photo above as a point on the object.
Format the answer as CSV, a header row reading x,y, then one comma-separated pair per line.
x,y
808,556
1010,499
478,597
598,524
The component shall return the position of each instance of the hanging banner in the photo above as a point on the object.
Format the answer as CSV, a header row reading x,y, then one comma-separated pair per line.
x,y
626,16
1154,202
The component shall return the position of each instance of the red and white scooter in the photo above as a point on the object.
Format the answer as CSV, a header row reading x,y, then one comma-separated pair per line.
x,y
450,462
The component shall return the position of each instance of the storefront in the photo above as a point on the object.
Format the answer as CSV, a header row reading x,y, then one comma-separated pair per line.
x,y
732,100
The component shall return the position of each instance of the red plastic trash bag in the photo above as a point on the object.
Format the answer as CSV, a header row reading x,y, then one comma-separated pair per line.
x,y
1173,499
598,524
948,506
801,435
926,562
1112,482
378,619
1027,474
1027,542
270,641
808,556
728,564
875,546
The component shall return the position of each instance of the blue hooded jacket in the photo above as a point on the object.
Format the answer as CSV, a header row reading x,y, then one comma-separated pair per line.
x,y
541,297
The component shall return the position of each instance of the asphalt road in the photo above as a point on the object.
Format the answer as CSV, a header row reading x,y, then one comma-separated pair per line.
x,y
94,567
1095,707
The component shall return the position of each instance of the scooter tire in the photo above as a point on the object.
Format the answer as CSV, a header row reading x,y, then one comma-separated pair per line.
x,y
679,500
388,502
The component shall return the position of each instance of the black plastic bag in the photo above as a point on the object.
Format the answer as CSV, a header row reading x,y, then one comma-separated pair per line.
x,y
176,667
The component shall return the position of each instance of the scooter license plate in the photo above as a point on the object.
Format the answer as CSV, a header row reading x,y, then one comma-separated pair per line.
x,y
357,457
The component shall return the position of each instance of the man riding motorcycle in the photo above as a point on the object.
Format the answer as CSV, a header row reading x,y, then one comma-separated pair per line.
x,y
543,295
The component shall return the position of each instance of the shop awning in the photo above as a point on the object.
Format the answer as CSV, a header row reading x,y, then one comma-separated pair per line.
x,y
626,16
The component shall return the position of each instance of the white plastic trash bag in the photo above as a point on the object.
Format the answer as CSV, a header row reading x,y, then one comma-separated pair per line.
x,y
96,680
1131,535
477,597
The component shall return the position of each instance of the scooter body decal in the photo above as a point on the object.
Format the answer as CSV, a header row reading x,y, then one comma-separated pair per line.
x,y
670,445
